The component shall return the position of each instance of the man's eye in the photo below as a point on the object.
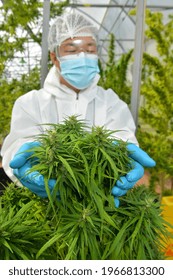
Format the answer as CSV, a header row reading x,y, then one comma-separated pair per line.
x,y
71,51
91,51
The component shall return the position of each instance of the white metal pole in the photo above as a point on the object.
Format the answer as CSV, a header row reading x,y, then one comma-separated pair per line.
x,y
138,53
44,57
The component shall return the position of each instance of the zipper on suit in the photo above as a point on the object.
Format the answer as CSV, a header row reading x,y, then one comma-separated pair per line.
x,y
77,103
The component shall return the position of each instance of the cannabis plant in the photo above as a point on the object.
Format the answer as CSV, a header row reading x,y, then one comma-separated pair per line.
x,y
24,226
29,230
86,165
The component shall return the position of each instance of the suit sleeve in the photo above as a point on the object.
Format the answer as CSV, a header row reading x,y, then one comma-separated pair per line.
x,y
119,118
24,126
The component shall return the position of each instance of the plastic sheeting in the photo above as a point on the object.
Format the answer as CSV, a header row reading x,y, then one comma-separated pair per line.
x,y
113,16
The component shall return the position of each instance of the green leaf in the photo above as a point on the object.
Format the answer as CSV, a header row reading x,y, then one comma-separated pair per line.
x,y
69,169
49,243
136,230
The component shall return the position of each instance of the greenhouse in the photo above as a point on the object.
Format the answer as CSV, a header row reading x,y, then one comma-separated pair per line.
x,y
86,138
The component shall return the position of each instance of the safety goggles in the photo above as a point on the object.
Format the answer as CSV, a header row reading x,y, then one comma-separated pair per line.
x,y
76,46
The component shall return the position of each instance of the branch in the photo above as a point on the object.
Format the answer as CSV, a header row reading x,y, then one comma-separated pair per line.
x,y
32,35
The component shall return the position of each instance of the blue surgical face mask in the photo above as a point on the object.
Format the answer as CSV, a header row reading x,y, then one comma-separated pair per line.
x,y
79,70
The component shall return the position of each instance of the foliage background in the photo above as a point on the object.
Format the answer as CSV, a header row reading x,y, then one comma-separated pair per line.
x,y
18,27
156,113
155,124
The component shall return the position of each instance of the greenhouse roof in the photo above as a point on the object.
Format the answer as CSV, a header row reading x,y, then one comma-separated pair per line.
x,y
113,16
110,16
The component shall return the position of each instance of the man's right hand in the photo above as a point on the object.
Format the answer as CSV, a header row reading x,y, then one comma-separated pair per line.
x,y
21,165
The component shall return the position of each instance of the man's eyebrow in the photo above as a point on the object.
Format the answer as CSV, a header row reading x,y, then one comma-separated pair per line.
x,y
91,43
69,44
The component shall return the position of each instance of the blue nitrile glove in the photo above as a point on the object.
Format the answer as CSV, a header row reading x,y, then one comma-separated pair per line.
x,y
140,159
21,164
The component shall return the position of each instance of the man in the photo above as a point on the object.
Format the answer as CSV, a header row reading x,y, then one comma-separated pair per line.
x,y
70,89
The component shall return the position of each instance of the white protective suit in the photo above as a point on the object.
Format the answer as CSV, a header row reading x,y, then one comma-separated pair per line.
x,y
55,102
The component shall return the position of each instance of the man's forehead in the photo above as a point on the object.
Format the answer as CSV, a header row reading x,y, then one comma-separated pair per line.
x,y
79,40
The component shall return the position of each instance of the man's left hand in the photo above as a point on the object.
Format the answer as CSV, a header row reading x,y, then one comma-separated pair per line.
x,y
140,159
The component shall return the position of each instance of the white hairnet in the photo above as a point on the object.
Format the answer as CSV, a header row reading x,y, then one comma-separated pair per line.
x,y
69,25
